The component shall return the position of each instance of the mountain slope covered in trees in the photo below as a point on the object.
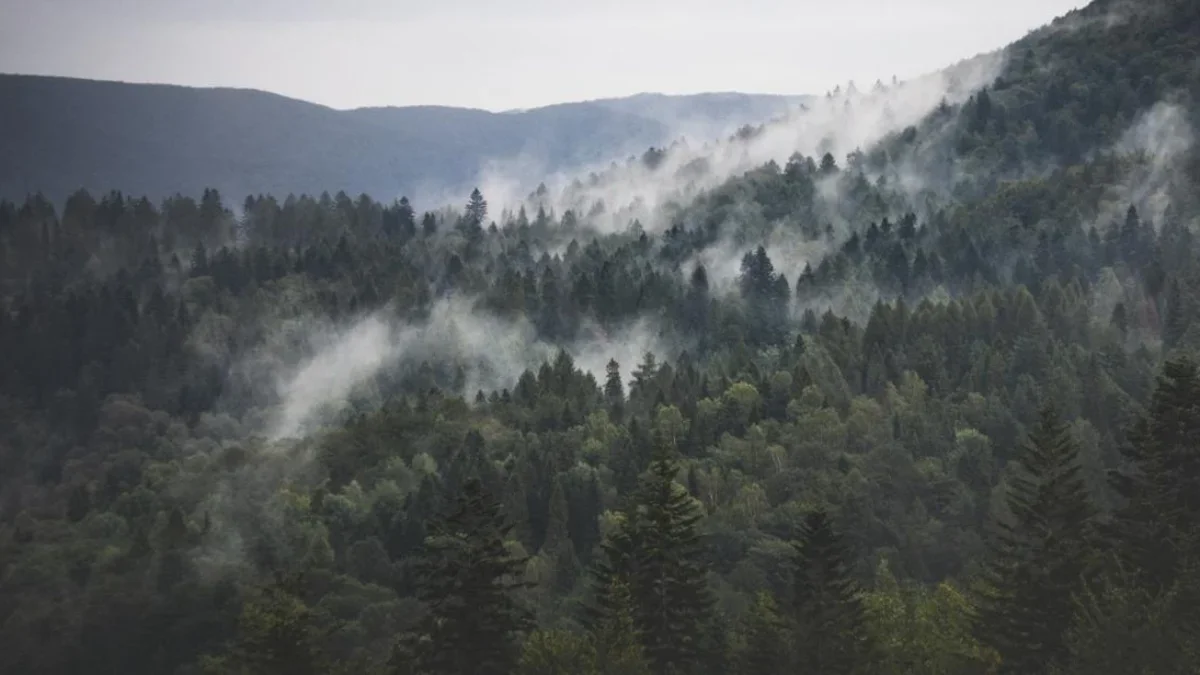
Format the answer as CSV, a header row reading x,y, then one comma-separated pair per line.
x,y
931,405
60,135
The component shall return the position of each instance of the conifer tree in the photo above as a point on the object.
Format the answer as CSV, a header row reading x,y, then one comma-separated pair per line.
x,y
277,635
1040,555
615,635
614,391
476,211
557,544
655,552
764,641
1159,522
672,600
467,580
830,633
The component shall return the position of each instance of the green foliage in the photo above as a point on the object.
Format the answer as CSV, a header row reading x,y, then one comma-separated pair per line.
x,y
1042,553
467,579
831,633
764,640
148,349
557,653
276,635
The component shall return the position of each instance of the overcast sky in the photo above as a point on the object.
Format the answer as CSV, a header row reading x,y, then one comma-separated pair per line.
x,y
503,54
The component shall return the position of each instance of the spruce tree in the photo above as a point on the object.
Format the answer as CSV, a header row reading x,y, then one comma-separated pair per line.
x,y
669,583
556,545
764,641
615,636
656,553
277,634
467,580
1041,554
831,637
1159,522
614,392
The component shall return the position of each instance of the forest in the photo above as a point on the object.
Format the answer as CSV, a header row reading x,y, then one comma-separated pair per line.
x,y
928,406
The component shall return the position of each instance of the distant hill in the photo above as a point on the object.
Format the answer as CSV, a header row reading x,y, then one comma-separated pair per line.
x,y
59,134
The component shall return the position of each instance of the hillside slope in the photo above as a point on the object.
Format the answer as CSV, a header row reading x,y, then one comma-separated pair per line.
x,y
58,135
223,458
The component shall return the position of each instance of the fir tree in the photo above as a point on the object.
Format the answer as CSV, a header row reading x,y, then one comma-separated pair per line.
x,y
476,211
557,544
1158,523
467,580
1040,555
614,392
277,635
655,552
764,641
831,637
615,636
669,583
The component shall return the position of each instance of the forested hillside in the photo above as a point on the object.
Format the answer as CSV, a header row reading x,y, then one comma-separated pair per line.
x,y
918,398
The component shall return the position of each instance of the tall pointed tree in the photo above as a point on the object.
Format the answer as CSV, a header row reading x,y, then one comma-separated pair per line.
x,y
614,633
831,636
1159,522
614,391
763,649
1041,553
467,580
476,211
669,584
655,553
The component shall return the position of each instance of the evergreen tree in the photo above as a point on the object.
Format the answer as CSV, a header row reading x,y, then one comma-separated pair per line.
x,y
614,392
614,634
655,552
672,600
1178,318
831,636
476,211
467,580
764,640
557,545
1159,523
277,635
1040,555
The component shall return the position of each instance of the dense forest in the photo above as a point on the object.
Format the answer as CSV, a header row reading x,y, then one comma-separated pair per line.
x,y
929,407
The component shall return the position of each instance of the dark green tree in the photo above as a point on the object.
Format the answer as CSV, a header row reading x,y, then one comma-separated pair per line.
x,y
1041,553
672,600
614,391
1158,524
827,614
277,634
763,649
468,582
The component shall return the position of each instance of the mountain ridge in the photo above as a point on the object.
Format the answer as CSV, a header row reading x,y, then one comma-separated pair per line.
x,y
162,139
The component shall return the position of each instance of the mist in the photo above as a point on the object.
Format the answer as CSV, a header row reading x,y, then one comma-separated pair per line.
x,y
843,121
491,351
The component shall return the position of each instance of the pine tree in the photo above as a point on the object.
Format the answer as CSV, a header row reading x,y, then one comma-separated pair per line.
x,y
614,392
557,544
672,600
655,553
1177,318
764,641
467,580
277,635
831,637
1159,523
1040,555
615,636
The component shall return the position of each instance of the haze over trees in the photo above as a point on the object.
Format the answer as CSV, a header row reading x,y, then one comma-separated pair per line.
x,y
931,407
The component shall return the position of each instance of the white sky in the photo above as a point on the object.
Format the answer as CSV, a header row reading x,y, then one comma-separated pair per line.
x,y
503,54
